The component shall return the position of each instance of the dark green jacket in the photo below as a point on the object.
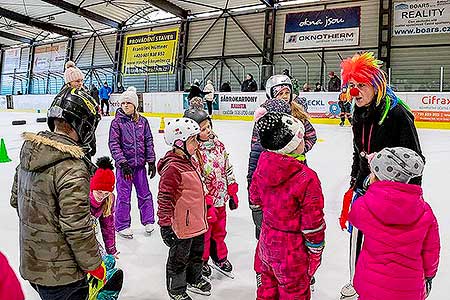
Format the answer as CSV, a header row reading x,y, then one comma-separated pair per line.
x,y
51,195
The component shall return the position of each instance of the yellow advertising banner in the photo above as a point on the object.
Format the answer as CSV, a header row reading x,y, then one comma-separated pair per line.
x,y
150,52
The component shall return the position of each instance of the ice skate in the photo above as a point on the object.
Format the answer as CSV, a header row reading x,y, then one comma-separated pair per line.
x,y
183,296
149,228
348,292
206,269
126,233
203,287
224,267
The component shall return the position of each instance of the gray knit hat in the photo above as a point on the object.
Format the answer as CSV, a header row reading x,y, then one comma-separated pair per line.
x,y
396,164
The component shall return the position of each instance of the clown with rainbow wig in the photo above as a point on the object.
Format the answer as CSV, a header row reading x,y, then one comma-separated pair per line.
x,y
380,119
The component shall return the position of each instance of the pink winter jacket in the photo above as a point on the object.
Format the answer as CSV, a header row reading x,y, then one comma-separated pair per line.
x,y
291,199
401,242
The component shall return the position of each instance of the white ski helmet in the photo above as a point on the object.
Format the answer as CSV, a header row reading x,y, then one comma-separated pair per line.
x,y
274,81
180,130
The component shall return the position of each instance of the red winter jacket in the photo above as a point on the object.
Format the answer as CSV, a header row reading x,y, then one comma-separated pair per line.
x,y
181,199
291,199
9,284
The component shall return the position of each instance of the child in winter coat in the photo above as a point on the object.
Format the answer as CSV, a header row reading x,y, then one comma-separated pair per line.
x,y
102,209
400,252
182,211
221,187
293,227
131,146
102,202
280,87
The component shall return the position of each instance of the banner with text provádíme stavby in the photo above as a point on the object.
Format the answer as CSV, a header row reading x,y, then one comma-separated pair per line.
x,y
325,28
150,52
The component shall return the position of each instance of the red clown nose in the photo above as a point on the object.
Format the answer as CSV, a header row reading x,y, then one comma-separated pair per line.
x,y
354,92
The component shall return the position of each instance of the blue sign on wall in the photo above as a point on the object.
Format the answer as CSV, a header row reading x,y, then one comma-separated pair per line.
x,y
325,28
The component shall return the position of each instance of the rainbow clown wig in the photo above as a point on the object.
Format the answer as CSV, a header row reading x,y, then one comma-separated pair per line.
x,y
365,68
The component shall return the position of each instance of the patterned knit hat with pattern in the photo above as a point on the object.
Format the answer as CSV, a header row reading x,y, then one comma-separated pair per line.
x,y
280,133
396,164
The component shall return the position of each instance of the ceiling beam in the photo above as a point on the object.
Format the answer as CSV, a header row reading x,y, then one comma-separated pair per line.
x,y
35,23
268,3
169,7
14,37
69,7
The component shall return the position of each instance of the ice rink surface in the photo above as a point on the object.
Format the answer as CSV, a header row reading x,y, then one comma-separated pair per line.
x,y
143,258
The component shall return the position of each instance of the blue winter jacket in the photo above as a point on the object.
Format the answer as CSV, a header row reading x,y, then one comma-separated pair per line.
x,y
105,92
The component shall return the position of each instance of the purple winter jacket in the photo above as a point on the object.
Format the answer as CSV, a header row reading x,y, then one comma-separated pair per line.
x,y
106,224
131,141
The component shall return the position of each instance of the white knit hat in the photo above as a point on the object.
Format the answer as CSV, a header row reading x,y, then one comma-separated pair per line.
x,y
72,73
129,95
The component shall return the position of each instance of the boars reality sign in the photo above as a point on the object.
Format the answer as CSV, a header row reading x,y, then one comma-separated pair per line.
x,y
324,28
421,17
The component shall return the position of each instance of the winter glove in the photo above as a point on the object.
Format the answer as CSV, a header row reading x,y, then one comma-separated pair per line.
x,y
314,263
151,169
126,171
96,280
232,191
169,237
428,282
348,196
211,215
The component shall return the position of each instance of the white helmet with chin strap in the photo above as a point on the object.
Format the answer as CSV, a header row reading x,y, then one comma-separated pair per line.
x,y
178,131
274,81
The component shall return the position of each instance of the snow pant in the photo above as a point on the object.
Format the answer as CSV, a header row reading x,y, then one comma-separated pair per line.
x,y
123,202
209,106
78,290
184,264
216,232
285,263
105,102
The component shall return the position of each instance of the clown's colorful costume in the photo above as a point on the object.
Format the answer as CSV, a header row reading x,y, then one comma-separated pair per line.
x,y
385,122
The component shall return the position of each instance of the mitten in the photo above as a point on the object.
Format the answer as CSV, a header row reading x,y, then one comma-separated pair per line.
x,y
126,171
169,237
345,208
151,169
96,280
314,263
232,191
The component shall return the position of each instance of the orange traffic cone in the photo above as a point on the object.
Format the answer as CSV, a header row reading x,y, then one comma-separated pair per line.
x,y
162,125
3,153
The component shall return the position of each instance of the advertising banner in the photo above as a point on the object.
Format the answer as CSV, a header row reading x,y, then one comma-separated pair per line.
x,y
11,60
49,58
150,52
325,28
240,104
431,107
421,17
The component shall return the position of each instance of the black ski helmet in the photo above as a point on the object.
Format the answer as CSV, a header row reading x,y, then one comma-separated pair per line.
x,y
79,109
198,115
